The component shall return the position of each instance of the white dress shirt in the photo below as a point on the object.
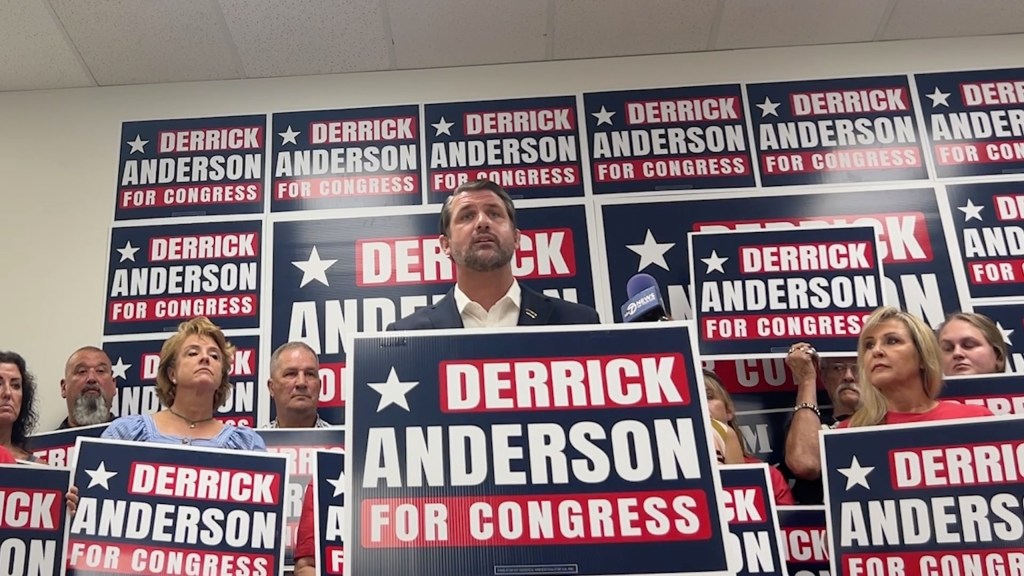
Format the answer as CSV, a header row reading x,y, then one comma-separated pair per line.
x,y
505,311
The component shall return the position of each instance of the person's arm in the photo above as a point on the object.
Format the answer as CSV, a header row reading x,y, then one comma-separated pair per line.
x,y
803,456
305,544
733,447
305,567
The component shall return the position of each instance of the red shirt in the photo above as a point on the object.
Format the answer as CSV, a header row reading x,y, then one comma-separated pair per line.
x,y
783,497
305,537
945,410
6,457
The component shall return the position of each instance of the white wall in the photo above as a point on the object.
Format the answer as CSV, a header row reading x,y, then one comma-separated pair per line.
x,y
59,154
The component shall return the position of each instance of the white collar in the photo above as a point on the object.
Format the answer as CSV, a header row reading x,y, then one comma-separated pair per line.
x,y
514,294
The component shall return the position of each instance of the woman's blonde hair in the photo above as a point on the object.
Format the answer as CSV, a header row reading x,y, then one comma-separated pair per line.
x,y
988,329
198,326
718,392
874,406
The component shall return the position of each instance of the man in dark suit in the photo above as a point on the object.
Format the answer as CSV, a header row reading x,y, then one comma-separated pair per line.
x,y
479,234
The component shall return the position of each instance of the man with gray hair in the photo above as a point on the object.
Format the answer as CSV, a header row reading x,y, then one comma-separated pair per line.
x,y
294,385
87,387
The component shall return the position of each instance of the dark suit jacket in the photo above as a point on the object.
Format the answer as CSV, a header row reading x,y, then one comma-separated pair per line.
x,y
535,309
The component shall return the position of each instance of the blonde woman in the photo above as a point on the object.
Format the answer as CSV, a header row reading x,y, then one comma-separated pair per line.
x,y
191,382
971,344
723,420
900,373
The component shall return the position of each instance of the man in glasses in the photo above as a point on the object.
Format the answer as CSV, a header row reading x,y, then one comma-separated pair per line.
x,y
839,377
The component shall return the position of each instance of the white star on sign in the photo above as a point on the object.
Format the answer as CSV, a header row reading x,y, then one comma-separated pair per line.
x,y
443,127
120,370
128,252
138,145
651,252
603,117
714,262
938,98
339,484
288,136
393,391
856,475
100,476
314,268
971,212
1006,334
768,107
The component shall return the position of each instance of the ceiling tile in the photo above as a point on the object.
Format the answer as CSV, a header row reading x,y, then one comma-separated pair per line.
x,y
34,53
600,28
279,38
945,18
130,42
764,23
467,32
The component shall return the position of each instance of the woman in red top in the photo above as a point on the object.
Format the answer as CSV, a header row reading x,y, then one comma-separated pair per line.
x,y
901,374
722,408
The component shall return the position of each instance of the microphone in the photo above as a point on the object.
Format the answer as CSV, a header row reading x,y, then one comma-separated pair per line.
x,y
645,303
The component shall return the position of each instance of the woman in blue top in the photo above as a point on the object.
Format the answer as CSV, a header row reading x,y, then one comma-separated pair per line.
x,y
192,382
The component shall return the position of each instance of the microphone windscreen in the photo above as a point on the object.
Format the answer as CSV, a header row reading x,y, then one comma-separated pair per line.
x,y
640,282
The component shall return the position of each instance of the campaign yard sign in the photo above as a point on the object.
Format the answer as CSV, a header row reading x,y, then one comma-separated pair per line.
x,y
988,224
299,446
974,121
554,450
159,276
191,167
32,511
805,540
758,292
835,131
926,499
748,504
331,523
681,138
154,509
530,146
57,448
1001,393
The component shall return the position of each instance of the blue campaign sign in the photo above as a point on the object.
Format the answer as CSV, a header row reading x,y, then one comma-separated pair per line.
x,y
159,276
156,509
300,447
805,539
191,167
32,510
760,291
1009,318
334,278
923,499
345,158
683,138
531,146
836,131
651,237
556,450
331,519
1000,393
974,121
755,546
58,448
137,363
988,220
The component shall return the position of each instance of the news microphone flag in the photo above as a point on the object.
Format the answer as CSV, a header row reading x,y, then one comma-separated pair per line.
x,y
645,303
